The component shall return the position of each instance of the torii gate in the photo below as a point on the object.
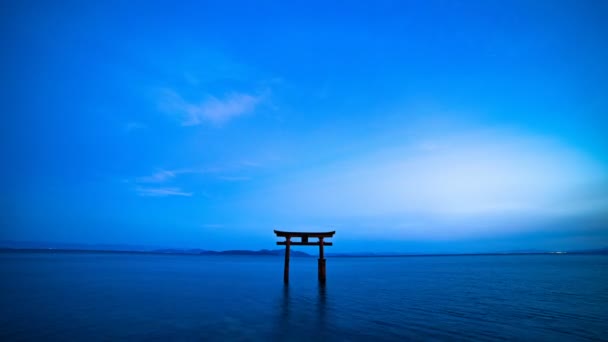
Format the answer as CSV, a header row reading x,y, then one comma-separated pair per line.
x,y
304,242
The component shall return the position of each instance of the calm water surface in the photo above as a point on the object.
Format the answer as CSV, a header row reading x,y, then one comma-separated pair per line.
x,y
97,296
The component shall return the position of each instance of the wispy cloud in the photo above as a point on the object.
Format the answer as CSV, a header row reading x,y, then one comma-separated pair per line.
x,y
249,163
160,176
166,182
211,110
133,126
234,178
212,226
162,192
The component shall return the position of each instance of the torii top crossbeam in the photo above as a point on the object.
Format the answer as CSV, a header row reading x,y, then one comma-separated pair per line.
x,y
304,238
302,234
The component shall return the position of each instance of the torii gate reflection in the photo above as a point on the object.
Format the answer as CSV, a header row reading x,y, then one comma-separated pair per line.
x,y
304,242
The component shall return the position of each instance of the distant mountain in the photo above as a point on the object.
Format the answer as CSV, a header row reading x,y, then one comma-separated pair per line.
x,y
179,251
42,246
273,252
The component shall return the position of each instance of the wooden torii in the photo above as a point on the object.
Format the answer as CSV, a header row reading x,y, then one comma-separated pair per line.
x,y
304,242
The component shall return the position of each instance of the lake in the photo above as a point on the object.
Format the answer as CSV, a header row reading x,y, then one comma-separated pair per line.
x,y
119,296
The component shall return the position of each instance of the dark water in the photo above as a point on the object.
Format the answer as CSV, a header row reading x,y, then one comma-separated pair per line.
x,y
85,296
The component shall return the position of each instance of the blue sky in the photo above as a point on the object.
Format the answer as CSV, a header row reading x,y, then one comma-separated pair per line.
x,y
405,126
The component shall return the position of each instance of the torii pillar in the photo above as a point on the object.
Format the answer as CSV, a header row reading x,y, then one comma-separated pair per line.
x,y
304,242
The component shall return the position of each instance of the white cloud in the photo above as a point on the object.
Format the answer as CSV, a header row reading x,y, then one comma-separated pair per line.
x,y
162,192
211,110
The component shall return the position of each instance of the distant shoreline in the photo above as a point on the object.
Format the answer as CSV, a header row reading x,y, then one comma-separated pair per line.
x,y
276,253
